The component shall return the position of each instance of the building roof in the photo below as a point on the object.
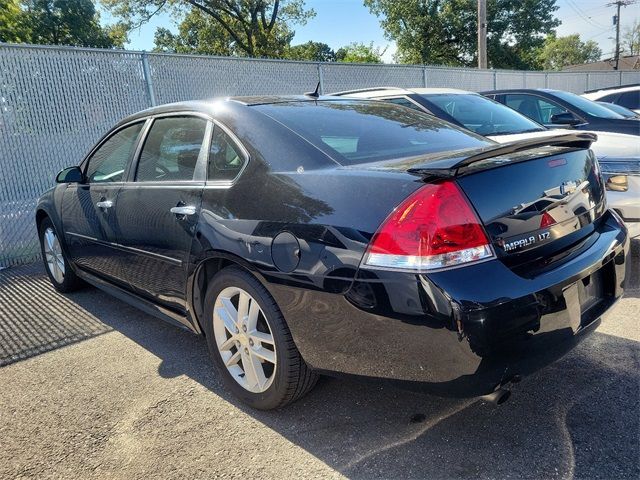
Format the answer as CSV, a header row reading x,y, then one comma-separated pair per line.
x,y
627,62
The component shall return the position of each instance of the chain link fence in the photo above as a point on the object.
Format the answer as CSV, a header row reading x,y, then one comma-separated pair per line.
x,y
56,102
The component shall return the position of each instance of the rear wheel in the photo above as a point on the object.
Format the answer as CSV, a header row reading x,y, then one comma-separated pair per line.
x,y
250,343
56,264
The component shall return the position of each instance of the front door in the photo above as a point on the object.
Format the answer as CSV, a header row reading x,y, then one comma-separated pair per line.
x,y
158,208
88,209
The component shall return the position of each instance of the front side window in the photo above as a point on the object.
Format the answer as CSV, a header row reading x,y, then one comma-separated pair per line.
x,y
630,100
109,162
225,157
171,149
535,108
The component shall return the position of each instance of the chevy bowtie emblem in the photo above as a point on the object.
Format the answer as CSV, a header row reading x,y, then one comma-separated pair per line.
x,y
567,187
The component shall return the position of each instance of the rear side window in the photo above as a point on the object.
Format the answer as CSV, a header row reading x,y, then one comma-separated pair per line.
x,y
171,149
109,162
225,157
353,131
611,98
630,100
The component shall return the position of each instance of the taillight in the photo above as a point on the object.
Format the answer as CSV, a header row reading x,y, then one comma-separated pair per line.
x,y
435,227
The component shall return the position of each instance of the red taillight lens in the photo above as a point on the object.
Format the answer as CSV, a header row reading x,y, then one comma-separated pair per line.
x,y
547,220
435,227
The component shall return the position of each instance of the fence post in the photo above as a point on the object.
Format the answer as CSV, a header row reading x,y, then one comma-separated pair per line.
x,y
146,72
495,79
588,81
320,79
546,80
620,81
424,75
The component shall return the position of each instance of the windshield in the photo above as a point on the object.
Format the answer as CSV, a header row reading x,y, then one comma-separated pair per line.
x,y
624,111
482,115
586,105
362,131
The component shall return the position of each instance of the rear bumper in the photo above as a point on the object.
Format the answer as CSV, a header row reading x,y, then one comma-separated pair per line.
x,y
460,332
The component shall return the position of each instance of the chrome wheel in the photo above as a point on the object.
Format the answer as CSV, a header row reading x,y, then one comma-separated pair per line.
x,y
244,339
53,254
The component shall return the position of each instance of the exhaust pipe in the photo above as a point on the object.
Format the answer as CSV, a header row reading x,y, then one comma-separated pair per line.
x,y
498,397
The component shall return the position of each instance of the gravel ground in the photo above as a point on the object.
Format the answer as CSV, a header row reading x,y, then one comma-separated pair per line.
x,y
92,388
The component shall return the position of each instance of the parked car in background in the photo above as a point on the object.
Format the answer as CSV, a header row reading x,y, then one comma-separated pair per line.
x,y
308,235
624,111
556,108
503,124
627,96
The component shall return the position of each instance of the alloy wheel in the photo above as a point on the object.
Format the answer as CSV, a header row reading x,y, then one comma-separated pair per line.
x,y
244,339
53,255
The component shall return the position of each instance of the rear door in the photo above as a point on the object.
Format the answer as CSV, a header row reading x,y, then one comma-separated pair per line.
x,y
157,209
88,208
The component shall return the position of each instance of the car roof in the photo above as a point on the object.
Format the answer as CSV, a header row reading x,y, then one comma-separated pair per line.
x,y
375,92
522,90
618,88
209,106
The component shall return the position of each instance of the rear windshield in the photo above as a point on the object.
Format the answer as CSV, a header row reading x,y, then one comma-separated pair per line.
x,y
360,131
586,105
482,115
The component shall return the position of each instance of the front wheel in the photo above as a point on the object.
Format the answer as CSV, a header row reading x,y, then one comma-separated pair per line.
x,y
250,343
56,264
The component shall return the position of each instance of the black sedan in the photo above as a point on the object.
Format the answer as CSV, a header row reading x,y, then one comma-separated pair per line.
x,y
305,236
556,108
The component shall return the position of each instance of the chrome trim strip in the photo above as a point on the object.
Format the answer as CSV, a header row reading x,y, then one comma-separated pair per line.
x,y
127,248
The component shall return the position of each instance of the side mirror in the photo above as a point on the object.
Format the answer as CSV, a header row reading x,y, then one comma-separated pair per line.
x,y
70,175
564,118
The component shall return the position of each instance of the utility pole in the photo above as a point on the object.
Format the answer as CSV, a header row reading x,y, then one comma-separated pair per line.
x,y
616,22
482,33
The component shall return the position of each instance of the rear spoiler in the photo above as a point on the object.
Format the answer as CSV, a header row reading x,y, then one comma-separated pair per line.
x,y
572,140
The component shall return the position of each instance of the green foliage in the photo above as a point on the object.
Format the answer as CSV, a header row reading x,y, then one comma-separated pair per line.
x,y
313,51
255,28
631,39
443,32
360,53
12,28
559,52
57,22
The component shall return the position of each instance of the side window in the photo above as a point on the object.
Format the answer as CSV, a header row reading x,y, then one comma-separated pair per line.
x,y
536,108
171,149
109,162
611,98
630,100
405,102
225,157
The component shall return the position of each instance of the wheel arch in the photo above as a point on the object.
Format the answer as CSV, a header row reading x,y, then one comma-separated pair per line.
x,y
204,272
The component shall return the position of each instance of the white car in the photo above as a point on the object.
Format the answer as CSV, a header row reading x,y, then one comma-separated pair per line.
x,y
626,95
618,154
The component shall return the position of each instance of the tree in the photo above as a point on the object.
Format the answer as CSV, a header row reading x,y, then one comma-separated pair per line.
x,y
360,53
558,52
443,32
12,28
256,28
67,22
313,51
197,33
631,39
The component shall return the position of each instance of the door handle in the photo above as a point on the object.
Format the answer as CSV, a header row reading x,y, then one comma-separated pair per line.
x,y
104,204
183,210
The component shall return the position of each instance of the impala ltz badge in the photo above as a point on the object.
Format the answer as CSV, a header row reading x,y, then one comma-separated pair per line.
x,y
523,242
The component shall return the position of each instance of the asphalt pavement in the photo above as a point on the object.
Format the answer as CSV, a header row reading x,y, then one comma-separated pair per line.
x,y
93,388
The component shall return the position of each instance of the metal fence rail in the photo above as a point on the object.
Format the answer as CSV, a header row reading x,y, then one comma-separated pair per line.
x,y
56,102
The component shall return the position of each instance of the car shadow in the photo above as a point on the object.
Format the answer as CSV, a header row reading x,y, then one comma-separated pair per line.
x,y
577,418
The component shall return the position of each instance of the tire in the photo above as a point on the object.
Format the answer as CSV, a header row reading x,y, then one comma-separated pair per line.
x,y
285,381
55,261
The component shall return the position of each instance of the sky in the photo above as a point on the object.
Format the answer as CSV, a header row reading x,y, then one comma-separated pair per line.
x,y
340,22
